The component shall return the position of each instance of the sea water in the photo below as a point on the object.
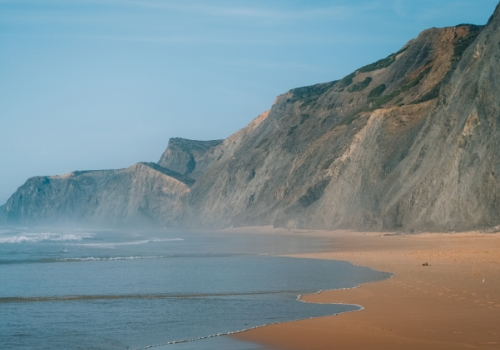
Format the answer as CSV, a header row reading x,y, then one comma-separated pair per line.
x,y
74,289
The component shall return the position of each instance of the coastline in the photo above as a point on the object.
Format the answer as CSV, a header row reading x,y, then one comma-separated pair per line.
x,y
454,303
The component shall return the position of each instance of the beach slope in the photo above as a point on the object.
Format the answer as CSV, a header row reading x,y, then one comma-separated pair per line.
x,y
453,303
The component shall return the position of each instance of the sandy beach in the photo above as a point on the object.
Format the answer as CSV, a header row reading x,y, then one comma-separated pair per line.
x,y
453,303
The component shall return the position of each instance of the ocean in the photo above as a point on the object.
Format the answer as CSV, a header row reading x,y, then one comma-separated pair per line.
x,y
105,289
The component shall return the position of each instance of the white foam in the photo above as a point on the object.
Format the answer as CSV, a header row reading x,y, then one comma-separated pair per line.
x,y
91,258
110,245
40,237
167,239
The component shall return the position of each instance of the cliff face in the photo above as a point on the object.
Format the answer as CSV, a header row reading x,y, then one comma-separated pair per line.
x,y
188,157
145,193
326,154
452,173
409,142
45,199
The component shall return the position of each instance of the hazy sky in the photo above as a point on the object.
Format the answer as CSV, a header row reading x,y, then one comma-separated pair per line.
x,y
104,84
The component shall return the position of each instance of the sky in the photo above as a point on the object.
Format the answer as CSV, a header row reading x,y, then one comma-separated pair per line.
x,y
101,84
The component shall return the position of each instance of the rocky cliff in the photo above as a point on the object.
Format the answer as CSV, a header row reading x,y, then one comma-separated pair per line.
x,y
408,142
43,199
189,157
143,194
325,155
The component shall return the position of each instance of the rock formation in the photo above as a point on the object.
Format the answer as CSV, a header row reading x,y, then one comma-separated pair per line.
x,y
44,199
331,155
143,194
188,157
409,142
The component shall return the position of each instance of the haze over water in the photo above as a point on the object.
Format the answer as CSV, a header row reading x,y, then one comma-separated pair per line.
x,y
133,290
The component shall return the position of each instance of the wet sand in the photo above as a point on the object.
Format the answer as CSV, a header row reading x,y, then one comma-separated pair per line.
x,y
454,303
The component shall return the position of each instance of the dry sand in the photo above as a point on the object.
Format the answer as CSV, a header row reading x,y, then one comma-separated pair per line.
x,y
454,303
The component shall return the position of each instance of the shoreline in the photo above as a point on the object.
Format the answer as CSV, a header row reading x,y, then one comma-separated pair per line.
x,y
453,303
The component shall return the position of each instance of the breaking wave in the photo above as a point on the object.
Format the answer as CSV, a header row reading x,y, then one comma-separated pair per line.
x,y
82,259
111,245
41,237
91,258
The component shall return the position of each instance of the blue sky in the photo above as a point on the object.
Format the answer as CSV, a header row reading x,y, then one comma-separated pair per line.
x,y
104,84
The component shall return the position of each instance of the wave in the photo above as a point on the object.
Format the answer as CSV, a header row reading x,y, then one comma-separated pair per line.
x,y
83,259
41,237
39,299
358,308
91,258
112,258
111,245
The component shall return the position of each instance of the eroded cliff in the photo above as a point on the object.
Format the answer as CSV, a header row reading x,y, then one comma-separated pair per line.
x,y
189,157
408,142
326,154
143,194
